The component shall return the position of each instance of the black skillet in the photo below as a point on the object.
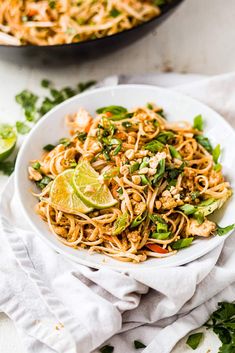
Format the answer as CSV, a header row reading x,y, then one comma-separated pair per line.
x,y
87,49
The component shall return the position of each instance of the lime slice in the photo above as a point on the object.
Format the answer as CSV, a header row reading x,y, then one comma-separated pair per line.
x,y
64,196
89,187
7,141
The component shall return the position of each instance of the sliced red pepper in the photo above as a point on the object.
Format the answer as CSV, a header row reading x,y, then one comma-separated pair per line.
x,y
109,114
157,248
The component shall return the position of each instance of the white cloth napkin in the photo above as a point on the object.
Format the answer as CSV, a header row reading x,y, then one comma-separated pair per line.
x,y
60,306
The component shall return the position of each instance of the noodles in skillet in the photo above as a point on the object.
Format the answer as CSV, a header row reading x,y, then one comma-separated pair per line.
x,y
48,22
164,178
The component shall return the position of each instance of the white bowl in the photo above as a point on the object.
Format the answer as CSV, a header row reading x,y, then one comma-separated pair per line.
x,y
177,107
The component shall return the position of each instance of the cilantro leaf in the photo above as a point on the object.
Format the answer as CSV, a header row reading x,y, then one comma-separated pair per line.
x,y
154,146
22,128
45,83
194,340
114,13
7,167
28,101
49,147
107,349
222,321
139,344
165,137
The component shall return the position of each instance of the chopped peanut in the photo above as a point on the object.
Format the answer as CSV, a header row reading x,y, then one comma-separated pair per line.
x,y
130,154
158,205
136,197
136,179
139,208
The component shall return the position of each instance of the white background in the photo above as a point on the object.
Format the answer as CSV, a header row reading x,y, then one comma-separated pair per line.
x,y
198,38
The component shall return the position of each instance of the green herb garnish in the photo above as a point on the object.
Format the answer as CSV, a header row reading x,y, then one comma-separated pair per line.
x,y
165,137
218,167
174,152
175,172
194,195
49,147
43,182
7,167
216,153
126,124
121,223
22,128
107,349
149,106
204,142
138,220
160,2
114,13
198,123
65,141
144,163
160,171
83,86
28,102
145,180
134,167
223,231
188,209
194,340
160,235
36,165
139,344
82,136
120,191
113,109
45,83
182,243
222,322
154,146
155,218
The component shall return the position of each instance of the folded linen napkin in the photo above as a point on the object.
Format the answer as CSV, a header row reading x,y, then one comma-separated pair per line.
x,y
60,306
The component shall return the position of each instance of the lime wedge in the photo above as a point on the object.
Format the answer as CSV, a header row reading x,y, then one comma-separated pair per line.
x,y
7,141
89,187
64,196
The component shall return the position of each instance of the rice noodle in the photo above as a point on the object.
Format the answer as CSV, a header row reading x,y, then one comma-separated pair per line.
x,y
142,193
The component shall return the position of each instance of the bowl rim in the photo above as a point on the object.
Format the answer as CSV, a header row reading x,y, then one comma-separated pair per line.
x,y
165,10
61,248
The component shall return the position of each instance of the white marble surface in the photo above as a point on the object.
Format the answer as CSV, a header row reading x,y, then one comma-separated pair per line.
x,y
198,38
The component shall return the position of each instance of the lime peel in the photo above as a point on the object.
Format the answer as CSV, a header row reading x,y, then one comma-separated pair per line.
x,y
64,196
89,187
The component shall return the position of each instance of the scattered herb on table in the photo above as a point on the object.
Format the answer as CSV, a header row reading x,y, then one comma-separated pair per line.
x,y
139,344
7,167
222,322
194,340
107,349
33,108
